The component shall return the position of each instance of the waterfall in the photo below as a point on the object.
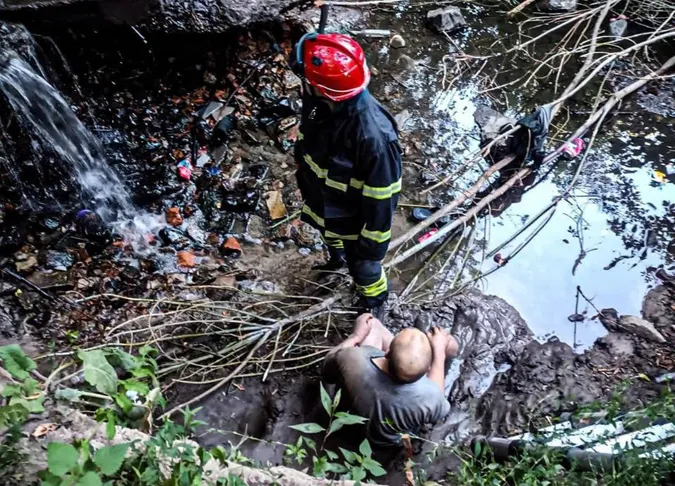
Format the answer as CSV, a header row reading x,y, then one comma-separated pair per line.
x,y
54,125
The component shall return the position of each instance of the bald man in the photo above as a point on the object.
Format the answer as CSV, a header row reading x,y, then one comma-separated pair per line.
x,y
396,382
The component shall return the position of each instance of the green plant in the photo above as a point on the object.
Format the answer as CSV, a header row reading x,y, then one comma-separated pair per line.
x,y
129,402
77,464
354,466
21,397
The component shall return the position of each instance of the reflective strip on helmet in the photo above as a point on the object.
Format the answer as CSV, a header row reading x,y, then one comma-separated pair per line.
x,y
382,192
356,184
320,173
377,236
330,234
375,289
340,186
311,214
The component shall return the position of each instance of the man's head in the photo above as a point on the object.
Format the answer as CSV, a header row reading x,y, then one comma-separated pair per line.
x,y
333,65
409,355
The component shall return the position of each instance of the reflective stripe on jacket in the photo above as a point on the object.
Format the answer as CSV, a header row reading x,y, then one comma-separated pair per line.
x,y
349,172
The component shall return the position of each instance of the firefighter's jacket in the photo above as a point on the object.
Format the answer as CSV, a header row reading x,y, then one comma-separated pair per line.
x,y
349,172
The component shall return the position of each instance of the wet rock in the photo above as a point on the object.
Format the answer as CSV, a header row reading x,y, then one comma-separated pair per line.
x,y
559,5
174,238
256,227
50,280
446,19
630,324
91,226
657,307
58,260
397,41
491,122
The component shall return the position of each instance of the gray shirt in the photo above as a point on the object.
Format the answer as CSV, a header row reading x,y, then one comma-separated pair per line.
x,y
376,396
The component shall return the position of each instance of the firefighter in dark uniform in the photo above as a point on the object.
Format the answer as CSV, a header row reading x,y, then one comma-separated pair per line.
x,y
349,161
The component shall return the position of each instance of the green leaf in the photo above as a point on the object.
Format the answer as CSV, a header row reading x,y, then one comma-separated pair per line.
x,y
109,459
357,474
49,479
336,400
12,390
98,372
90,479
124,402
31,387
137,386
61,458
373,467
350,457
124,359
332,455
15,361
33,406
350,419
308,428
310,443
68,394
110,424
477,449
336,468
13,414
325,399
365,449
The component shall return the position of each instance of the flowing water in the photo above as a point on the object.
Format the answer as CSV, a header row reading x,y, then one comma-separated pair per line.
x,y
50,118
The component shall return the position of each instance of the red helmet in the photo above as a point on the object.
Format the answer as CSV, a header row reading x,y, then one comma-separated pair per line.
x,y
334,64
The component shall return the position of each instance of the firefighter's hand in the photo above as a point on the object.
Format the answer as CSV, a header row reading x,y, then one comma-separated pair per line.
x,y
362,327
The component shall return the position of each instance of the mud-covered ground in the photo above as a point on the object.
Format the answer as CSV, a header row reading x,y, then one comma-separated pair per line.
x,y
140,95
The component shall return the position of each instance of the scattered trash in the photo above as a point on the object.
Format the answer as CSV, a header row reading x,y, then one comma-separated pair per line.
x,y
173,217
185,170
58,260
559,5
304,251
420,214
397,42
576,318
90,224
618,26
427,235
499,260
174,238
231,248
186,259
572,149
223,131
275,205
446,19
659,177
665,377
670,168
371,33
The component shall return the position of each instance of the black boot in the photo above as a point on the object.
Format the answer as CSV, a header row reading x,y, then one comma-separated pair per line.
x,y
336,261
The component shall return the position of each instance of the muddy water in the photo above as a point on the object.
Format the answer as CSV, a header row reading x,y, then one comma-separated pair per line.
x,y
618,217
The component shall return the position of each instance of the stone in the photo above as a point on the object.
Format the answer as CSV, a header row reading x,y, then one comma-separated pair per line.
x,y
397,42
446,19
641,327
26,264
559,5
491,122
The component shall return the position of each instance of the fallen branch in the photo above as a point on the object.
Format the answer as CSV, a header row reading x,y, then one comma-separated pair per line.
x,y
520,7
463,220
469,193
